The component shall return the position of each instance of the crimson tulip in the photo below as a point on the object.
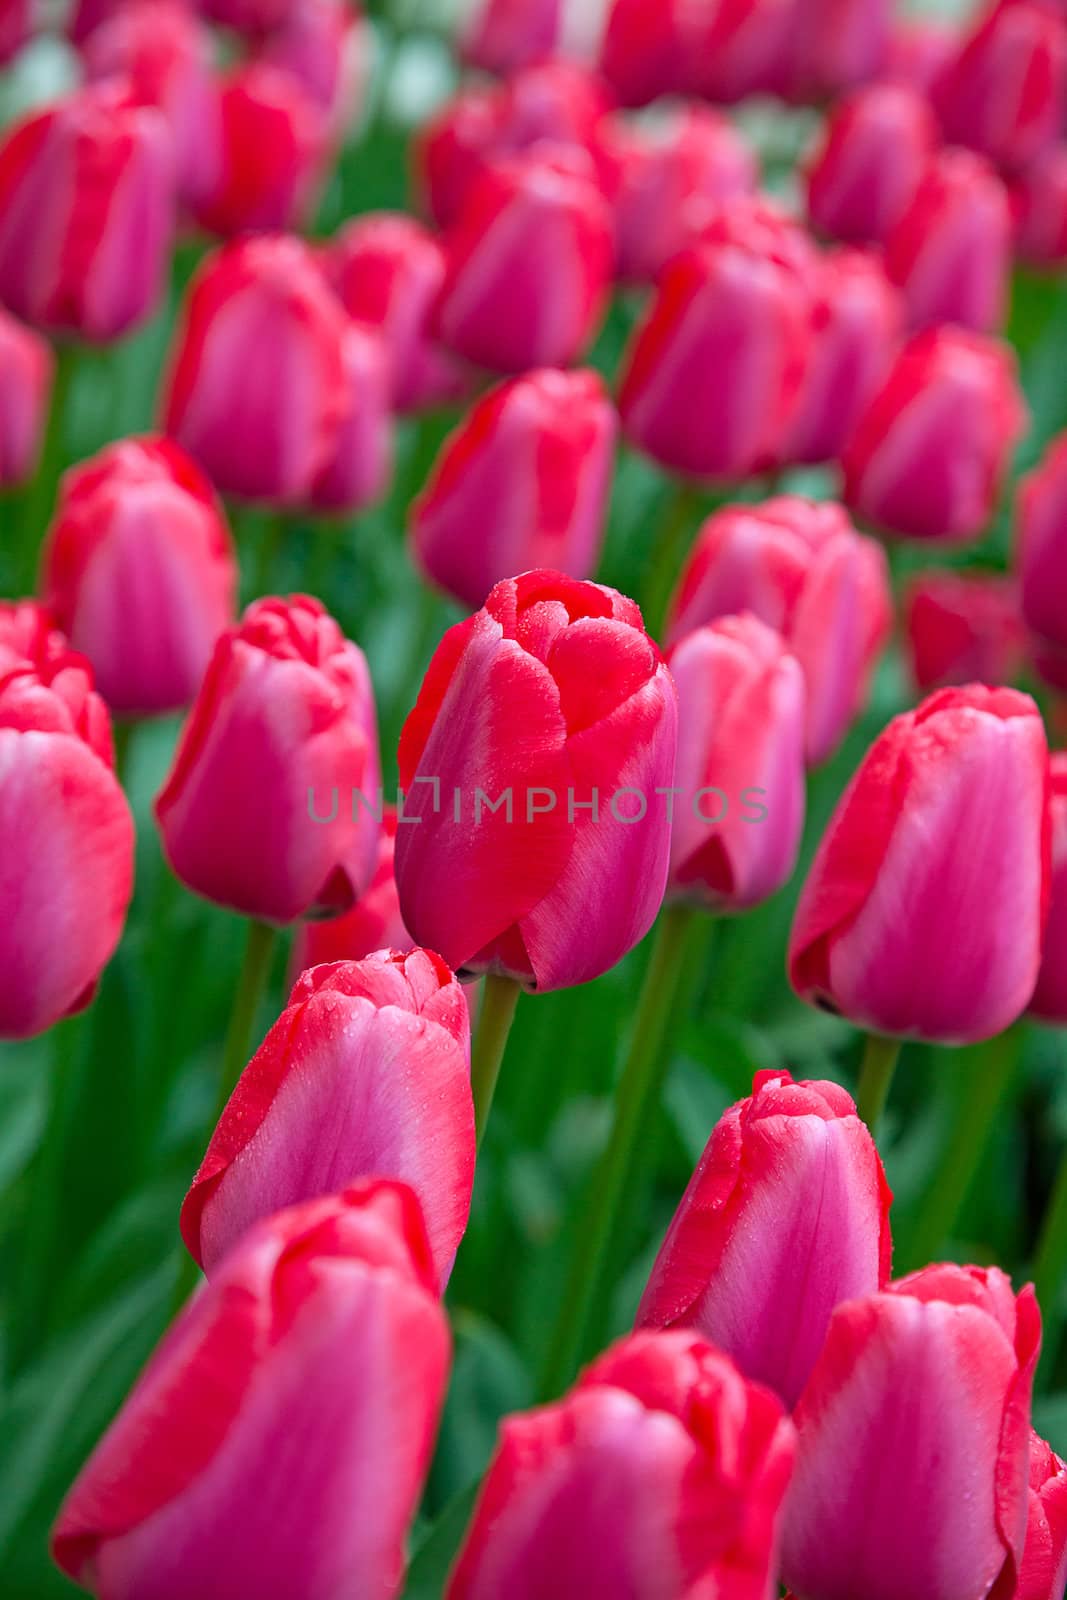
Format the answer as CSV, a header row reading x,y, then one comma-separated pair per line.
x,y
963,627
1041,546
1005,91
1043,1571
503,35
874,150
1049,999
374,922
26,368
360,465
1039,206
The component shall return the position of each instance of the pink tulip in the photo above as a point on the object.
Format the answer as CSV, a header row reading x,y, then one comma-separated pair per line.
x,y
963,627
274,150
374,922
747,1263
950,251
139,571
277,1442
1049,999
269,806
366,1071
660,1475
360,466
323,45
663,173
165,56
258,387
256,18
554,695
86,214
929,453
523,482
1005,92
864,173
1043,1572
801,567
912,1458
900,929
1039,207
66,835
647,51
919,48
857,320
1041,545
16,27
387,270
530,261
832,46
741,47
26,367
740,771
503,35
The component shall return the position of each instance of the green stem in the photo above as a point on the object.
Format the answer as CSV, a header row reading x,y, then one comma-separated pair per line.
x,y
669,549
251,985
268,550
880,1058
500,996
122,735
1050,1269
987,1073
637,1093
40,501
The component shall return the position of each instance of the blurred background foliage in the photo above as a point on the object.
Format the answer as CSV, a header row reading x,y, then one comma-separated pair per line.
x,y
142,1063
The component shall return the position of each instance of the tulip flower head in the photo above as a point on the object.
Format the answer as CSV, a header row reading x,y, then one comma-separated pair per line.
x,y
26,368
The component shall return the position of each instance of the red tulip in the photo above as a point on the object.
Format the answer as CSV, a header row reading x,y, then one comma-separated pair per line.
x,y
25,395
740,771
387,270
139,571
660,1475
963,627
360,464
873,152
374,922
742,47
1043,1572
66,835
366,1071
554,695
268,807
1049,999
503,35
277,1442
857,320
258,388
1041,546
275,144
647,51
165,56
1039,206
322,44
951,249
899,928
803,569
523,482
86,214
747,1263
529,264
912,1458
663,174
929,453
1005,92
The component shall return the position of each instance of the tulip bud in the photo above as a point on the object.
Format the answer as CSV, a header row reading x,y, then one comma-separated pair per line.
x,y
1041,546
663,173
648,51
919,48
323,45
139,571
930,1380
1039,207
1049,999
874,150
275,143
258,385
374,922
504,35
963,627
25,395
66,835
86,214
857,320
742,47
360,466
387,270
269,804
1043,1571
450,151
661,1461
1005,91
802,568
553,706
951,249
16,26
323,1102
256,18
747,1263
715,369
740,770
278,1440
898,928
530,262
523,482
165,56
831,46
928,454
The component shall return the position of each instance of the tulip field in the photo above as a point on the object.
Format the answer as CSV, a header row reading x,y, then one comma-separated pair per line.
x,y
533,800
